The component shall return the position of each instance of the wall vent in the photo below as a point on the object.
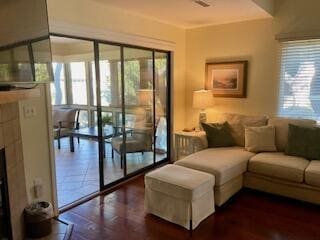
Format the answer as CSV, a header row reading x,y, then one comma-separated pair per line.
x,y
202,3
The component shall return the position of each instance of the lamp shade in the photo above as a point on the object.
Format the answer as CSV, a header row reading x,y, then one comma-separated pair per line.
x,y
202,99
145,97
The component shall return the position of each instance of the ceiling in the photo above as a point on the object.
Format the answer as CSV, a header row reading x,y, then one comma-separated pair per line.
x,y
187,14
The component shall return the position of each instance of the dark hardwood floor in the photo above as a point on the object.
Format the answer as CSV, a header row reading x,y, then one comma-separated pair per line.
x,y
249,215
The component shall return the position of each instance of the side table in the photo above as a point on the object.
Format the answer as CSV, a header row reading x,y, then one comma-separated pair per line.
x,y
185,143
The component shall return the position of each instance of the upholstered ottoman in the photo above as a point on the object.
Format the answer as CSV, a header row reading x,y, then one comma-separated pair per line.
x,y
180,195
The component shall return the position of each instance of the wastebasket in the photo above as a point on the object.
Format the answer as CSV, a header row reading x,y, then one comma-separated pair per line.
x,y
37,218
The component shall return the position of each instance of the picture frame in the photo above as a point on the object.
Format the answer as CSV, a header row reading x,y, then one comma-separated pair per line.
x,y
227,79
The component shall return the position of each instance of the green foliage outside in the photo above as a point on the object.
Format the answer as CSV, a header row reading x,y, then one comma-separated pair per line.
x,y
106,119
4,72
132,81
42,72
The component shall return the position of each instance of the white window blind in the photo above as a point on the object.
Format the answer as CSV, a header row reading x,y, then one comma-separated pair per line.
x,y
300,79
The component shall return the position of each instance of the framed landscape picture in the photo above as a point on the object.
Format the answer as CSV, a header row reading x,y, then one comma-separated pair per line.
x,y
227,79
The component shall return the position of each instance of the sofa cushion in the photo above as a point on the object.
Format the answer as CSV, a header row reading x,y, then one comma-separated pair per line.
x,y
282,125
238,123
312,173
303,142
179,182
260,139
279,165
218,134
224,163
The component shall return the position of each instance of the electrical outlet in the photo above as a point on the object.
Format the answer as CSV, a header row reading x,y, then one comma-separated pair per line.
x,y
29,111
38,187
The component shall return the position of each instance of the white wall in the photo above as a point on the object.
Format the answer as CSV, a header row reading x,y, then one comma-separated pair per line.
x,y
35,140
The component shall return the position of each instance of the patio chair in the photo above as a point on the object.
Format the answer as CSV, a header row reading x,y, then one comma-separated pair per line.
x,y
138,139
64,120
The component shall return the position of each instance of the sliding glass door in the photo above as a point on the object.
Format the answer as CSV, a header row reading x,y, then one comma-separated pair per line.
x,y
75,130
161,104
111,108
133,104
121,126
138,108
134,90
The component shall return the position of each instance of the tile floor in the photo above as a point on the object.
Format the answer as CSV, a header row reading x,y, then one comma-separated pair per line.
x,y
77,173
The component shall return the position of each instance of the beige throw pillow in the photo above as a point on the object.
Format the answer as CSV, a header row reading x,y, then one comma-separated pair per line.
x,y
260,139
238,123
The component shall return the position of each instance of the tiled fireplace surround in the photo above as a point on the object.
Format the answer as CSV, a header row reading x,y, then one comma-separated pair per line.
x,y
10,139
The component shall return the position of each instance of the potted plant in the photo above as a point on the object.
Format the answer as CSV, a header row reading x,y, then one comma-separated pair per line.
x,y
106,120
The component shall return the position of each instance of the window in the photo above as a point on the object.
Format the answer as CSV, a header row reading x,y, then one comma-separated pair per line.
x,y
4,71
105,83
130,119
300,79
106,118
42,60
83,118
5,67
132,81
22,68
79,84
58,87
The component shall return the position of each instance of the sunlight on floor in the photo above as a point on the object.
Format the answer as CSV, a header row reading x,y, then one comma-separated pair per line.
x,y
78,172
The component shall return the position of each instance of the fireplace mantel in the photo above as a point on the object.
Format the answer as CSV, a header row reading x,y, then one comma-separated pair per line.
x,y
18,95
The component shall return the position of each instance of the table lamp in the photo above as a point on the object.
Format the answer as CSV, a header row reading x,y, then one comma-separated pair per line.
x,y
145,98
202,99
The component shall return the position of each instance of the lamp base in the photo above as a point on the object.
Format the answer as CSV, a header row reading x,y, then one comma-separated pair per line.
x,y
202,119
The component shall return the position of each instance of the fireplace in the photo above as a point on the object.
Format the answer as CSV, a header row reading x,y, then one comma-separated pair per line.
x,y
5,223
13,184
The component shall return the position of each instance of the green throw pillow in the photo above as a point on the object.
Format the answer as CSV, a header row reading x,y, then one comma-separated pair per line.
x,y
218,134
304,142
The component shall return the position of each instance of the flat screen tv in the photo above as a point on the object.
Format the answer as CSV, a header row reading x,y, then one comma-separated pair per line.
x,y
25,51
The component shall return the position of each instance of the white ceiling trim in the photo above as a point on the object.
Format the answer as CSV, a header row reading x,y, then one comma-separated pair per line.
x,y
71,29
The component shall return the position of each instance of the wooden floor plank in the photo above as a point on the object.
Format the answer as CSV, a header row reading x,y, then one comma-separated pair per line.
x,y
249,215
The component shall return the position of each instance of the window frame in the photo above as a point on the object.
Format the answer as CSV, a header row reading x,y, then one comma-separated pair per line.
x,y
65,85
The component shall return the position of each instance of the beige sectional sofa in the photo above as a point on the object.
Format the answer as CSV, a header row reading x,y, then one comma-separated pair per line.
x,y
273,172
